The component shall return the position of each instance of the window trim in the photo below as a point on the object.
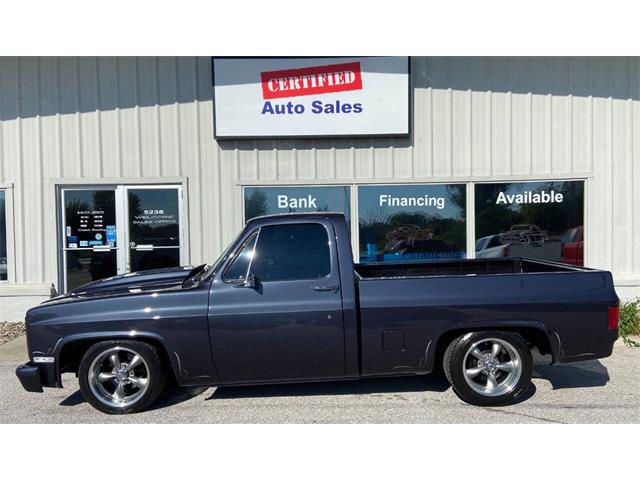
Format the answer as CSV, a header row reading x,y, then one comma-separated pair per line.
x,y
231,261
8,189
332,248
326,231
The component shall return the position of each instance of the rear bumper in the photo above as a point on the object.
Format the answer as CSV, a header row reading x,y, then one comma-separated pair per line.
x,y
29,376
601,348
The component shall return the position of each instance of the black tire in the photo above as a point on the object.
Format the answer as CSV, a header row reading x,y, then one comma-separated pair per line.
x,y
150,370
509,385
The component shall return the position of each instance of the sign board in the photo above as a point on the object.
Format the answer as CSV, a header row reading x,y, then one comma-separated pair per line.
x,y
89,218
311,97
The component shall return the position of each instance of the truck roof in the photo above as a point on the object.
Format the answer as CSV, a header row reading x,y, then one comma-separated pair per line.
x,y
297,216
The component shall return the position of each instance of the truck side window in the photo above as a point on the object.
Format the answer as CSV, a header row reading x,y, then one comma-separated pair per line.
x,y
238,268
292,252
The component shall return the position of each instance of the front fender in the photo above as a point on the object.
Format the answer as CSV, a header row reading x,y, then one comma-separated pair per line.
x,y
173,356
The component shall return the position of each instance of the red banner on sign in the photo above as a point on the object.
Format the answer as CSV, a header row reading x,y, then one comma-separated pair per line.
x,y
297,82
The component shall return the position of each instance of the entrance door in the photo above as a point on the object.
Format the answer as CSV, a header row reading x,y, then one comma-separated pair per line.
x,y
90,242
110,230
153,227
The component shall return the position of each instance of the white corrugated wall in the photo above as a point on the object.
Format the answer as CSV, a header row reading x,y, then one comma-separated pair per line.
x,y
124,119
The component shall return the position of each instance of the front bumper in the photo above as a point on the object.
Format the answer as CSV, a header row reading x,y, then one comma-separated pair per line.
x,y
33,376
30,377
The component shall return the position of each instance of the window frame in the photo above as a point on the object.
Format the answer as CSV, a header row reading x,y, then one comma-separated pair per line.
x,y
469,241
347,186
334,268
121,188
469,182
8,219
586,185
232,260
303,222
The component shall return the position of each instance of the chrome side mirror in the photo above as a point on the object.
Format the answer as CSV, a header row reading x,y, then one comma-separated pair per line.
x,y
250,281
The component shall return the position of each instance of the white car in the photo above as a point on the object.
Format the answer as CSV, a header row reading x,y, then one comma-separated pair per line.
x,y
491,247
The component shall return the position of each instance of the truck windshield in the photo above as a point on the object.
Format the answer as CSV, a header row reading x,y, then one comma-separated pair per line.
x,y
220,259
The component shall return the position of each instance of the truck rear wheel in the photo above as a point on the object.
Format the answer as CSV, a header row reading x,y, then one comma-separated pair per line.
x,y
488,368
121,376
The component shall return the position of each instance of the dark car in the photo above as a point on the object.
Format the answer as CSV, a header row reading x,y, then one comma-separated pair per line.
x,y
285,303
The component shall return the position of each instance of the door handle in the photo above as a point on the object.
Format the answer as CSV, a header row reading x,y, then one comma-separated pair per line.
x,y
332,288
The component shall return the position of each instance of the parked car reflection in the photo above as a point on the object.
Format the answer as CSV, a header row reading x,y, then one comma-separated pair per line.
x,y
572,246
3,268
491,247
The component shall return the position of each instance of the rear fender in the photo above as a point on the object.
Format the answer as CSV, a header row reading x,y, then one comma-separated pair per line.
x,y
552,337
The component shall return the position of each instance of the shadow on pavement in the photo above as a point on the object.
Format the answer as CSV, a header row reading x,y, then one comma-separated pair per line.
x,y
591,373
436,382
585,374
72,400
526,395
171,396
176,395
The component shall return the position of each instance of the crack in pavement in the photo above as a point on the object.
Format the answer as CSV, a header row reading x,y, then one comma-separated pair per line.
x,y
506,412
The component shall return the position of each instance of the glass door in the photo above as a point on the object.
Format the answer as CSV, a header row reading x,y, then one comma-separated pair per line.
x,y
116,229
89,235
153,224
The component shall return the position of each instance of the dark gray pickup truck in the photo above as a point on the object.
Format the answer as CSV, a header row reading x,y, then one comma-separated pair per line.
x,y
285,303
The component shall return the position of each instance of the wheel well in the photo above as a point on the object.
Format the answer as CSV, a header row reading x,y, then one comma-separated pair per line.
x,y
533,336
72,352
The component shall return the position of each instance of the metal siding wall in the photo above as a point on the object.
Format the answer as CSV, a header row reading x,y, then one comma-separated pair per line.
x,y
473,119
113,119
634,174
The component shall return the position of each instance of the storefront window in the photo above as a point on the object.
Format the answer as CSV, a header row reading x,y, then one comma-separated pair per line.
x,y
260,201
411,222
3,237
530,219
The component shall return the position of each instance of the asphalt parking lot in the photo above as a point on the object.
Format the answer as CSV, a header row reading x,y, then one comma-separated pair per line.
x,y
604,391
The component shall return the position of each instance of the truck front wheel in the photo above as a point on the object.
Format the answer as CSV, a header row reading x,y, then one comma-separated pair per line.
x,y
488,368
121,376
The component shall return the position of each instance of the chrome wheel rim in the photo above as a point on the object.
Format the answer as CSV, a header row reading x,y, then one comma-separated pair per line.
x,y
119,377
492,367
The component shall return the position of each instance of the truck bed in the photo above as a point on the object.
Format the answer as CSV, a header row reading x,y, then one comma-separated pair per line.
x,y
492,266
401,305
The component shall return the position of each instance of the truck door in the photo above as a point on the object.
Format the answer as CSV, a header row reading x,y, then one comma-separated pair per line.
x,y
276,308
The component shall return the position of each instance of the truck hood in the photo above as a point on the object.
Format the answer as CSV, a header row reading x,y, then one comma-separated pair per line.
x,y
145,280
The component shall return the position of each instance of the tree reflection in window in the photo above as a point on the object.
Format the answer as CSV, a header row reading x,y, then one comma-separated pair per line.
x,y
412,232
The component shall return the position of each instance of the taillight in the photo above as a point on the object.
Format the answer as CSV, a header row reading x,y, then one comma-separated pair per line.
x,y
614,317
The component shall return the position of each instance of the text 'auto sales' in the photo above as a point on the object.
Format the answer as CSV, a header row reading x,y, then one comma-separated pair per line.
x,y
317,80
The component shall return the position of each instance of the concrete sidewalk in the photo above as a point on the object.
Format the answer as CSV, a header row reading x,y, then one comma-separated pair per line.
x,y
14,350
597,391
